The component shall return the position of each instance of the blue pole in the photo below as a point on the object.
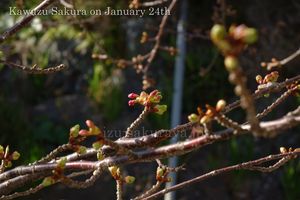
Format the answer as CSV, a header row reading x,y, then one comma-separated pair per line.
x,y
178,88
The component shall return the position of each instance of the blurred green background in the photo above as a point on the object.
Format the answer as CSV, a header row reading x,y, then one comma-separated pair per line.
x,y
36,111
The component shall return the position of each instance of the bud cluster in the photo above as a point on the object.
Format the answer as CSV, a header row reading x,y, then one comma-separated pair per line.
x,y
150,101
162,174
6,157
78,135
231,43
295,87
116,174
289,150
205,117
57,173
138,63
269,78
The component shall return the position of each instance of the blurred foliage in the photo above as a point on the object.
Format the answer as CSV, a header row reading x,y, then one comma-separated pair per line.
x,y
105,89
291,180
241,149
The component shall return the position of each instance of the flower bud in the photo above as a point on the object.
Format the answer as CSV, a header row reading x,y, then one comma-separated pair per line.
x,y
154,93
131,102
231,63
224,46
115,171
48,181
100,155
144,37
209,112
83,132
129,179
61,163
238,90
273,76
132,96
221,104
7,164
90,123
193,117
217,32
1,149
283,150
95,131
81,150
160,172
160,109
74,131
250,35
15,155
259,79
297,150
205,119
97,145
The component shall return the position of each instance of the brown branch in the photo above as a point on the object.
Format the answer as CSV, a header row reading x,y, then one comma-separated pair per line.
x,y
290,120
153,3
150,191
155,138
250,165
136,123
82,184
275,87
119,189
26,20
24,193
35,69
161,135
158,38
276,63
53,154
278,101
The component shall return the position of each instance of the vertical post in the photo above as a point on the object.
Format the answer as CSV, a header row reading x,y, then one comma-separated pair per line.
x,y
178,88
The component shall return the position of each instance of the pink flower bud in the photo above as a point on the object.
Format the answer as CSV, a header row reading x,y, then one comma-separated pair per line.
x,y
154,92
131,102
83,132
132,96
90,123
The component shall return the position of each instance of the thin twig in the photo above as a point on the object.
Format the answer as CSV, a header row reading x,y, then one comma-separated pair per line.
x,y
119,189
35,69
153,3
136,123
276,63
26,20
250,165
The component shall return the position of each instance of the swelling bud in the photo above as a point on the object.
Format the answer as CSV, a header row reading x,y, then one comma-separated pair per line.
x,y
250,35
217,32
231,63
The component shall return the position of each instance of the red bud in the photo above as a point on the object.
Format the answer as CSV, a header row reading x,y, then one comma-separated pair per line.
x,y
90,123
132,96
131,102
83,132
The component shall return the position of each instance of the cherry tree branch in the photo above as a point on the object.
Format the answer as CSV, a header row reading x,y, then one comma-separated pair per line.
x,y
276,63
25,21
250,165
288,121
